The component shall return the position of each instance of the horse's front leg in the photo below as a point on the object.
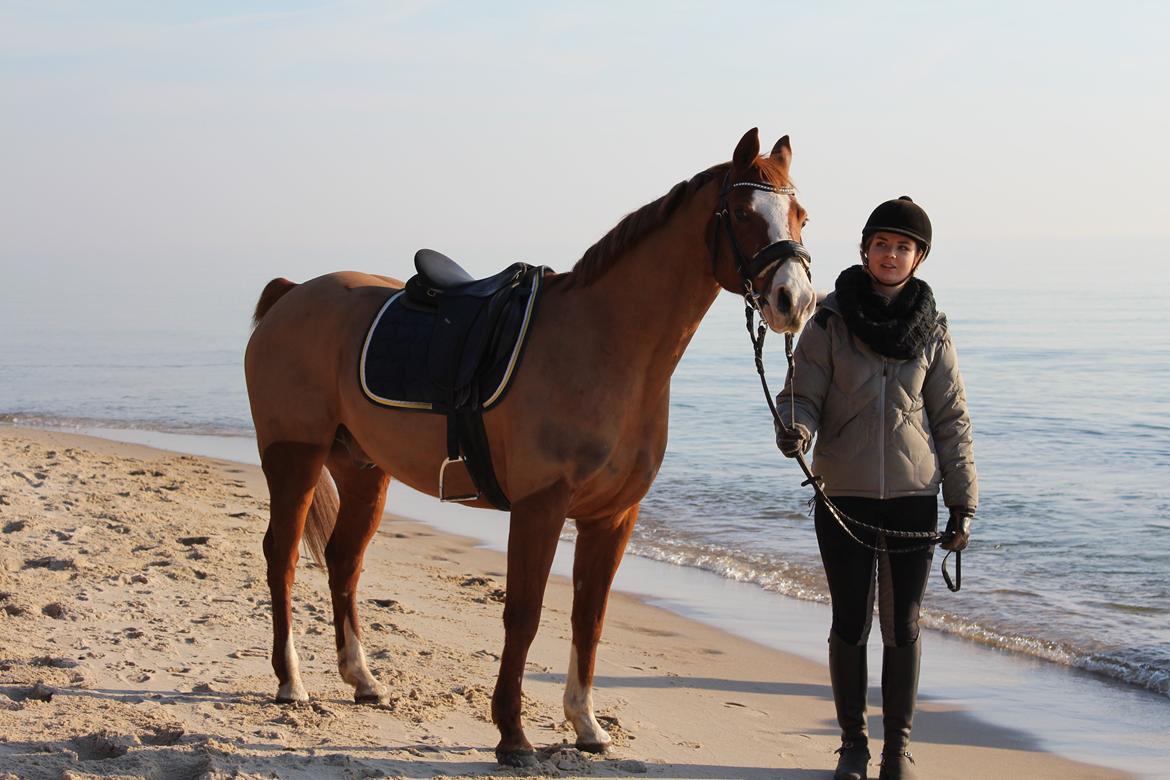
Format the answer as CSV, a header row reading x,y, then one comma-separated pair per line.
x,y
532,541
600,545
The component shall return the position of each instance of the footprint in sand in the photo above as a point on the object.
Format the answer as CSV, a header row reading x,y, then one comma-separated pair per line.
x,y
99,746
249,652
50,563
167,734
191,541
35,483
38,692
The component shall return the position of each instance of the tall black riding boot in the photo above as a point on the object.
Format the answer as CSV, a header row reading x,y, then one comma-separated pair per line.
x,y
847,670
899,693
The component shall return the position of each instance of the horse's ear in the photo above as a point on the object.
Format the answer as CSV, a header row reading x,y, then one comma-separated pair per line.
x,y
782,153
747,150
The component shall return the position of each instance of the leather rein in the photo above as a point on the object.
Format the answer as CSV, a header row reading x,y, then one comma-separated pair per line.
x,y
764,261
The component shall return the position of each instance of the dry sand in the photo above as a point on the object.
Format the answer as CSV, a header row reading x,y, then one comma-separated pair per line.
x,y
134,636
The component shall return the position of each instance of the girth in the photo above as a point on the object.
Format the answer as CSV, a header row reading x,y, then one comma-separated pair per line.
x,y
450,344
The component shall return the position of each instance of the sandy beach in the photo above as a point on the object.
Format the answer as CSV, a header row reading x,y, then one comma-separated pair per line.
x,y
134,637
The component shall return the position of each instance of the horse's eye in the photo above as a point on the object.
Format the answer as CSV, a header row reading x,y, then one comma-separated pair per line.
x,y
741,215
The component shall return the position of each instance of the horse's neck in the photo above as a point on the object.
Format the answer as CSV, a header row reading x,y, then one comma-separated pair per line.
x,y
656,294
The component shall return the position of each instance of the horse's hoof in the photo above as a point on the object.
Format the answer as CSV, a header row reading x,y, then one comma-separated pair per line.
x,y
593,747
368,698
516,758
291,700
291,693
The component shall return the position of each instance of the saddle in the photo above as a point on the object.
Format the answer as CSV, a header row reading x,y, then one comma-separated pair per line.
x,y
450,344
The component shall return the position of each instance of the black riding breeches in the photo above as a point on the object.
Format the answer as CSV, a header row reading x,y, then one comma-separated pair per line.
x,y
856,574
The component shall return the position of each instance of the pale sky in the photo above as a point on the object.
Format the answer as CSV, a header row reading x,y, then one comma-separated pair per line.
x,y
154,151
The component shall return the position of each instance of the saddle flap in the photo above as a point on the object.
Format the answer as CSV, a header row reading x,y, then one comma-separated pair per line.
x,y
461,332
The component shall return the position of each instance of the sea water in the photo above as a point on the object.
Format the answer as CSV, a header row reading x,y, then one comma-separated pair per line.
x,y
1070,558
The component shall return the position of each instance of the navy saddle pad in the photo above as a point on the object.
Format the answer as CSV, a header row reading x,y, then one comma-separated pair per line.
x,y
412,359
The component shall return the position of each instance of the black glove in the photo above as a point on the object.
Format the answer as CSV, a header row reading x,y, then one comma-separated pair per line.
x,y
793,439
958,533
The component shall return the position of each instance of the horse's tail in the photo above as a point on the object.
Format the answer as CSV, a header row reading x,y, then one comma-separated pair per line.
x,y
273,292
322,516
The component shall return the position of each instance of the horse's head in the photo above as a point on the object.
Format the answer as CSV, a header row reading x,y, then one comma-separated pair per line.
x,y
757,224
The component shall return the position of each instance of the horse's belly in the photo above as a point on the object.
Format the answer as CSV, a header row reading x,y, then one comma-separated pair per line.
x,y
408,445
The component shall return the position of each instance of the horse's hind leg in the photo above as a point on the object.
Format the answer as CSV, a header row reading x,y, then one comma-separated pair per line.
x,y
291,469
362,495
532,542
599,549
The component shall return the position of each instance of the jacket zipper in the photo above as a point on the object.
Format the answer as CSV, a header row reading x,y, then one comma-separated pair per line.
x,y
882,433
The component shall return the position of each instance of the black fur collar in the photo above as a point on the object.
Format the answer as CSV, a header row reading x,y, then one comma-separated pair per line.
x,y
898,329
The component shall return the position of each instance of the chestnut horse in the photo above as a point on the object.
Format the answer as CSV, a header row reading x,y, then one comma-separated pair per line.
x,y
580,434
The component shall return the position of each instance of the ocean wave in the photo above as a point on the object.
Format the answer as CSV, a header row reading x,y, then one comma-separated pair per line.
x,y
780,577
806,583
35,420
1145,675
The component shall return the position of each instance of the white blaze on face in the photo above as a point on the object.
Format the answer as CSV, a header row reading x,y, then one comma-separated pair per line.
x,y
294,689
773,207
351,662
790,281
579,708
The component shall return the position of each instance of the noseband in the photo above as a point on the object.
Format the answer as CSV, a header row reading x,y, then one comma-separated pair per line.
x,y
774,254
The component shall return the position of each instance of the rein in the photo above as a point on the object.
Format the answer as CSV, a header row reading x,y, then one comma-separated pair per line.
x,y
845,521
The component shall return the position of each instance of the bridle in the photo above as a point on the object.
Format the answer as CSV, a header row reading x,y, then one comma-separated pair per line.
x,y
762,262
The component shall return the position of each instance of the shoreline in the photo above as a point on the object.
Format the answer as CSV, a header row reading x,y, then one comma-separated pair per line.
x,y
946,720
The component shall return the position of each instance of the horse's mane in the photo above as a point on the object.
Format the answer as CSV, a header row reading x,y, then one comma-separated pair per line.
x,y
634,226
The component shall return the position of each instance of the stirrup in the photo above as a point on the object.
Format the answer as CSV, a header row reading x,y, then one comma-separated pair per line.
x,y
442,473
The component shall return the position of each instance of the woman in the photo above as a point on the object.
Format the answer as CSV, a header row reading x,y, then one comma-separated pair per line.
x,y
877,381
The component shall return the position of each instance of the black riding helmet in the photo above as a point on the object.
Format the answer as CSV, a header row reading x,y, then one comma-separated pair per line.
x,y
902,216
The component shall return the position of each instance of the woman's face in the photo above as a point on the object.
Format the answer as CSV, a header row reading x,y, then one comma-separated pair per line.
x,y
892,257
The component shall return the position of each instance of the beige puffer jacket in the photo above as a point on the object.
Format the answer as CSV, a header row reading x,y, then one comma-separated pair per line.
x,y
885,427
